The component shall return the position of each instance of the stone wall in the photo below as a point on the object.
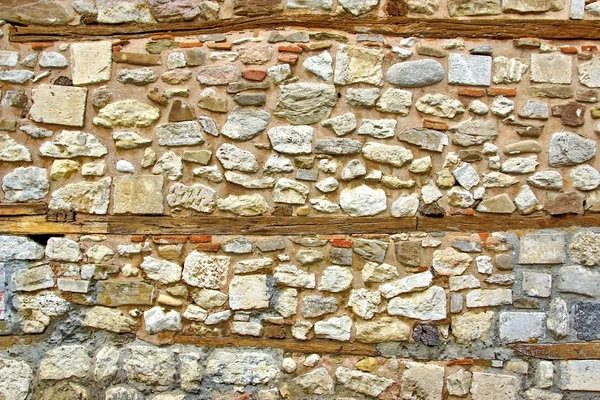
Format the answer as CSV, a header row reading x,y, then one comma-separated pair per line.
x,y
406,218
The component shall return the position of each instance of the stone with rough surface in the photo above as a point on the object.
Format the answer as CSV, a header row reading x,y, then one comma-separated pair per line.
x,y
363,201
128,114
85,197
71,144
427,305
422,381
358,65
15,378
60,105
362,382
204,271
551,68
139,194
25,183
473,132
305,103
91,62
149,365
486,386
243,367
466,69
65,362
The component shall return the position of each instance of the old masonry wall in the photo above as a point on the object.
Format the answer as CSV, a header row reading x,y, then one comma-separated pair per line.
x,y
307,199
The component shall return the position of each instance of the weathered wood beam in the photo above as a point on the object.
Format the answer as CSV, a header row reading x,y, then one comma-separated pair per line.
x,y
165,225
312,346
500,29
23,209
559,351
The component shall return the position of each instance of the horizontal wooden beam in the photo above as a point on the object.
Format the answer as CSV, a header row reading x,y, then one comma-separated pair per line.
x,y
268,226
500,29
559,351
23,208
312,346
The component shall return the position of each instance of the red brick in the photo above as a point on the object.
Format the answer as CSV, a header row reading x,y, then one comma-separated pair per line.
x,y
138,238
437,125
345,243
162,36
589,48
372,44
201,238
210,247
508,92
290,49
569,50
288,58
219,46
41,45
254,75
388,56
484,235
117,47
469,92
170,239
187,45
464,361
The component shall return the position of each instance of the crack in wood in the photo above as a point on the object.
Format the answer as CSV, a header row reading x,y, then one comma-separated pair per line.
x,y
499,29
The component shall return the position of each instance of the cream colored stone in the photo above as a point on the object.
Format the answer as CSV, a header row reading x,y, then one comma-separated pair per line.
x,y
91,62
60,105
139,194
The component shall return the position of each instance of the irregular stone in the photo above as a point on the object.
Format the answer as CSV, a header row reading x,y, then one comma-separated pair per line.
x,y
85,197
536,284
202,270
422,380
290,275
186,133
139,77
439,105
65,362
113,12
502,106
25,183
291,139
156,320
16,378
558,317
305,103
336,328
405,206
61,105
317,381
174,11
139,194
450,262
245,123
521,326
478,107
176,77
486,386
32,279
466,176
429,304
320,65
471,326
290,192
161,270
499,204
363,201
381,329
529,6
549,180
17,77
589,73
35,131
459,383
508,70
583,248
252,366
71,144
473,132
36,12
410,283
362,382
526,201
315,306
534,110
249,292
108,319
209,298
580,375
473,70
551,68
356,7
337,146
149,365
364,303
387,154
358,65
52,59
236,159
128,114
244,205
520,165
335,279
395,101
585,177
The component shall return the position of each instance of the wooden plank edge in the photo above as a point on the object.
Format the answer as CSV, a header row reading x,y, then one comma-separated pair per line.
x,y
500,29
312,346
559,351
9,209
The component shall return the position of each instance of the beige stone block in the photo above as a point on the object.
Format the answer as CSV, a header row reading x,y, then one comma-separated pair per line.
x,y
140,194
60,105
91,62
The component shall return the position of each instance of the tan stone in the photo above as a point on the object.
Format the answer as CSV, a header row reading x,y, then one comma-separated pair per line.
x,y
139,194
61,105
91,62
382,329
472,326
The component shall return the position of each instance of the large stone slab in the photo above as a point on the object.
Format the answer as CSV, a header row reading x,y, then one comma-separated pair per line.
x,y
542,248
85,197
139,194
305,103
486,386
60,105
581,375
551,68
91,62
472,70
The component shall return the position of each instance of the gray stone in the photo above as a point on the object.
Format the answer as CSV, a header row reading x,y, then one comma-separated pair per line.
x,y
16,376
586,320
579,280
534,110
305,103
473,70
186,133
378,128
395,101
156,320
336,328
291,139
337,146
580,375
25,183
549,180
589,73
219,75
473,132
427,305
584,248
558,318
314,306
415,73
149,365
245,123
426,139
320,65
236,159
520,165
252,366
35,131
17,76
358,7
139,76
162,271
521,326
52,59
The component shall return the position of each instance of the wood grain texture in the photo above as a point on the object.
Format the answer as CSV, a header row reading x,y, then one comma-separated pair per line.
x,y
499,29
268,226
559,351
23,208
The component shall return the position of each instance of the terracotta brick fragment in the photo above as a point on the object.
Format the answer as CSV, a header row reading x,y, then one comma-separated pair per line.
x,y
117,47
290,49
437,125
507,92
254,75
219,46
589,48
41,45
210,247
170,239
288,58
162,36
470,92
484,235
388,56
188,45
569,50
138,238
372,44
463,361
201,238
341,243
